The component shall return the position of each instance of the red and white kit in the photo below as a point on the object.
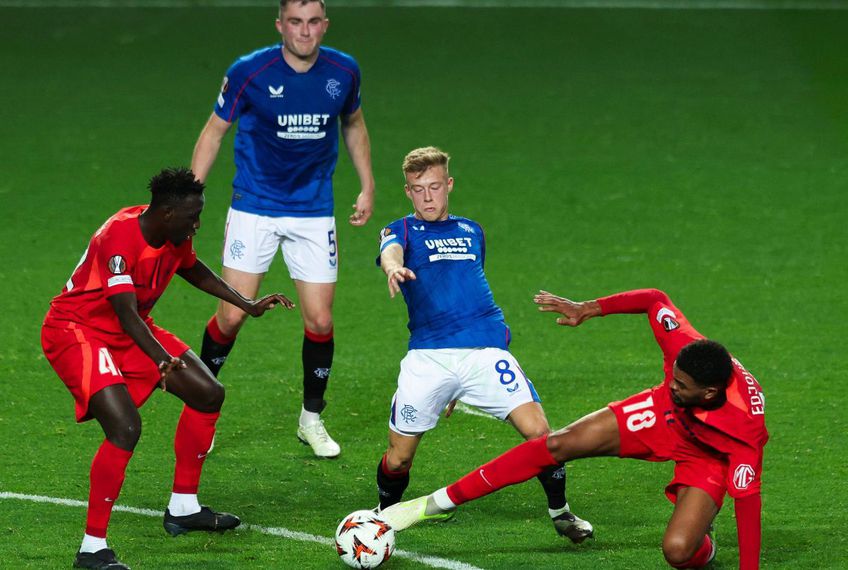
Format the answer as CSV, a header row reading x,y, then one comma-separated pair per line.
x,y
82,337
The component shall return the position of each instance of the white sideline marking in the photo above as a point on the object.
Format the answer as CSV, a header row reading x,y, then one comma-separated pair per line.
x,y
433,561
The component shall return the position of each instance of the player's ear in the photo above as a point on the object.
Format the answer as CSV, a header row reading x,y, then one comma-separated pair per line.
x,y
167,212
279,25
710,394
450,184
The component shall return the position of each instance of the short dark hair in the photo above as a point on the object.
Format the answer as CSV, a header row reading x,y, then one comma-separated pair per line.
x,y
707,362
284,3
173,185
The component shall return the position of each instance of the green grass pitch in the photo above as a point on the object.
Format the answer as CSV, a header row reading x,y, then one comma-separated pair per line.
x,y
700,152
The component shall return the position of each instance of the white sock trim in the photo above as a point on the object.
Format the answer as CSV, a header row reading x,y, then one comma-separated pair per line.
x,y
557,512
442,500
308,418
92,543
183,504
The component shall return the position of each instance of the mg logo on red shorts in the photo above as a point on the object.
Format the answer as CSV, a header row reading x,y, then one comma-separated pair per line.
x,y
743,476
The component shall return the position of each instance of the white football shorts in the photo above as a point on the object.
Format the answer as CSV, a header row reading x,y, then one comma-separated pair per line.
x,y
308,244
487,378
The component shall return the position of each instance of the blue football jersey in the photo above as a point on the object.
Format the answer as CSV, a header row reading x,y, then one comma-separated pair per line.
x,y
288,129
450,304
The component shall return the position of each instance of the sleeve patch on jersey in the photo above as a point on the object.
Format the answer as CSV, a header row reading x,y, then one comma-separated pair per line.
x,y
665,317
225,86
386,236
117,265
119,280
743,476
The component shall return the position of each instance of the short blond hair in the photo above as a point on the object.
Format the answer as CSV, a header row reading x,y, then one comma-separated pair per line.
x,y
420,159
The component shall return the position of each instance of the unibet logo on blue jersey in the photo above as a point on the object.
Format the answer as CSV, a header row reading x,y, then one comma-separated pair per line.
x,y
450,304
287,141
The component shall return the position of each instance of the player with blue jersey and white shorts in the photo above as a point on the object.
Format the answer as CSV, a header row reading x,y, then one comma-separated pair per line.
x,y
289,100
458,345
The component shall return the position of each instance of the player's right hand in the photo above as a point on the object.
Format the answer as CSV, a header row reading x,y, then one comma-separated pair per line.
x,y
398,276
259,306
573,313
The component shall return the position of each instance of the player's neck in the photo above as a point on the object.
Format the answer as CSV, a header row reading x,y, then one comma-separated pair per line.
x,y
148,230
443,218
299,64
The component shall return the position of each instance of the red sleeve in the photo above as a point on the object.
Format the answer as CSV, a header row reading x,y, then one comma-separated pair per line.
x,y
189,257
115,260
671,328
636,301
749,531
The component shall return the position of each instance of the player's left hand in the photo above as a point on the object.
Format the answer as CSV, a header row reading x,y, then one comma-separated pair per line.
x,y
362,209
258,307
168,366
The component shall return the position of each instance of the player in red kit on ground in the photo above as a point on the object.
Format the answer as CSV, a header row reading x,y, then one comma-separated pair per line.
x,y
707,416
101,341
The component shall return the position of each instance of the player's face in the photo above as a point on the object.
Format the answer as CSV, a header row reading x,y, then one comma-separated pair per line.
x,y
429,191
184,220
687,393
302,27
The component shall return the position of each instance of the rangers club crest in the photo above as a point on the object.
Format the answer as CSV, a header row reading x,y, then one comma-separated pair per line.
x,y
408,414
117,265
333,88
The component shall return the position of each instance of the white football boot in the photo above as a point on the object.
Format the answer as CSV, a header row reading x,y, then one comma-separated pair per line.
x,y
573,527
403,515
315,435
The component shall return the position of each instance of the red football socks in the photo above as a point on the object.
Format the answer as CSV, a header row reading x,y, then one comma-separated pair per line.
x,y
195,431
216,334
515,466
107,476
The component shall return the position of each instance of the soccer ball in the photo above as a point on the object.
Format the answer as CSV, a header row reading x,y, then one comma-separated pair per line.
x,y
364,540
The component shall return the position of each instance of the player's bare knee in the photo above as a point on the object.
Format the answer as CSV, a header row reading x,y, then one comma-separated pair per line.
x,y
230,321
677,549
557,444
537,430
211,399
320,324
125,433
398,462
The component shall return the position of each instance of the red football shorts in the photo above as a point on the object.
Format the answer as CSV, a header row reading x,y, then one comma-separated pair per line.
x,y
646,433
87,362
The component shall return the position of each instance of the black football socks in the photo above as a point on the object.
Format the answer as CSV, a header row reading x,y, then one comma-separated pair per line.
x,y
317,362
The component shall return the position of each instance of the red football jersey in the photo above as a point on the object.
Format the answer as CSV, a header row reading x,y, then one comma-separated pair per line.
x,y
118,260
736,429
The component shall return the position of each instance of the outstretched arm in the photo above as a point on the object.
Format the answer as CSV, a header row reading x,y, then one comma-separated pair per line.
x,y
635,301
749,531
206,280
358,145
391,260
573,313
207,146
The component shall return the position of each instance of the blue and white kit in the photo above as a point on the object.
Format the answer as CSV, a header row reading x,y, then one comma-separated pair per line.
x,y
458,346
288,133
286,148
